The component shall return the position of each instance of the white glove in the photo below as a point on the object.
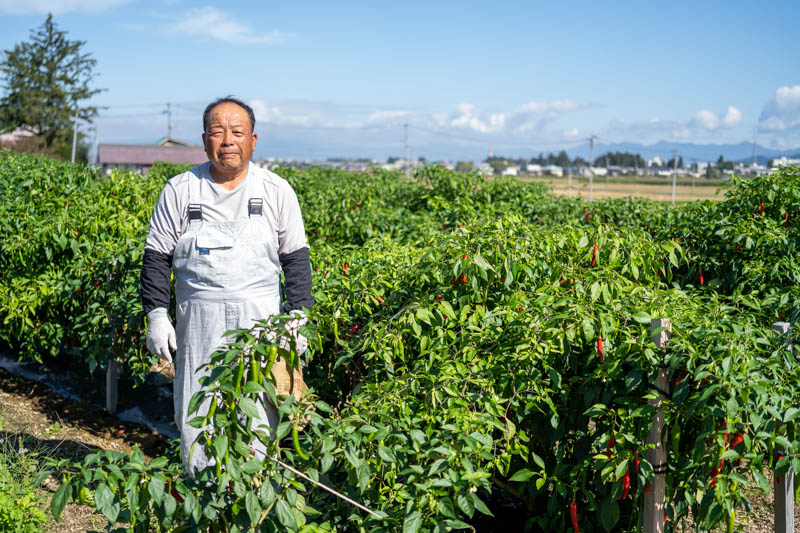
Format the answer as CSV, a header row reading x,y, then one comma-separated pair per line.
x,y
293,327
160,334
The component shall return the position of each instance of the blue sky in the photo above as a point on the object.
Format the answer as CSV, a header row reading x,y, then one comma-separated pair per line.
x,y
341,78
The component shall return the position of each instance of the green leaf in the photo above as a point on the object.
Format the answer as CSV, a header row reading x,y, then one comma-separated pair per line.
x,y
220,446
642,317
479,505
102,497
285,516
60,500
253,507
791,414
522,475
111,512
156,489
386,454
609,514
170,505
251,467
249,407
466,504
412,522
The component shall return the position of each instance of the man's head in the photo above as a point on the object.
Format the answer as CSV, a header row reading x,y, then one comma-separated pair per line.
x,y
228,136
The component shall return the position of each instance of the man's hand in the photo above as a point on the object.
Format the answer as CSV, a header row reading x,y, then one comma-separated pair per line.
x,y
293,327
160,334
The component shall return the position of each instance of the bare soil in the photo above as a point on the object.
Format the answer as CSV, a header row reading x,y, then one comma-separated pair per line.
x,y
49,425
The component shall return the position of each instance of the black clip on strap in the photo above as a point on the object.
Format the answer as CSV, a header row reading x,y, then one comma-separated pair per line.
x,y
254,207
195,212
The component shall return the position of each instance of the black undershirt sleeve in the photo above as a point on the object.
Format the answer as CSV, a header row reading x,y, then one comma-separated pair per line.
x,y
155,280
297,280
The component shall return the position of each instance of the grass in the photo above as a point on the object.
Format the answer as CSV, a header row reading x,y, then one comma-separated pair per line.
x,y
21,503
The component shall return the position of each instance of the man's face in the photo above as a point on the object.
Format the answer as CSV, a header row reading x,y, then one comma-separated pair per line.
x,y
229,140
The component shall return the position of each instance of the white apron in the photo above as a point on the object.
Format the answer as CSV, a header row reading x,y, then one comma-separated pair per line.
x,y
227,276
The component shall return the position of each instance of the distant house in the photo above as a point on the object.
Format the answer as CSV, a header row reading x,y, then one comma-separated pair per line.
x,y
783,161
532,169
140,157
10,138
553,170
511,171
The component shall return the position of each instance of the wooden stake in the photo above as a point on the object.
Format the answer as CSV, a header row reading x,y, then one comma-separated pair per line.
x,y
112,381
783,486
654,500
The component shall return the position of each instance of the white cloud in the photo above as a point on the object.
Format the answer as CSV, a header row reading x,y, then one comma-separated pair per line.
x,y
711,121
572,133
387,116
469,117
782,112
274,115
210,22
732,118
706,119
17,7
552,108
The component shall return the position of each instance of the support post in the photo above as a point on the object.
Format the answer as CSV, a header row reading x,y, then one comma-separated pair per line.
x,y
112,381
655,500
783,486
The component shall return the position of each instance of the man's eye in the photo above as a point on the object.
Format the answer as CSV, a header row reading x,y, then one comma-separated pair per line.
x,y
215,133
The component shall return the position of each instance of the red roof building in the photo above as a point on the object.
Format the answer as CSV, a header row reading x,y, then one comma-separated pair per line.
x,y
140,157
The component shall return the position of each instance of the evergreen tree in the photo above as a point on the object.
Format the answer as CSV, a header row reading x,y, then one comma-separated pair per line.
x,y
45,80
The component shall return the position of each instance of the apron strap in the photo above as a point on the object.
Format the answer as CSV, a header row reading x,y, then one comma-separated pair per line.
x,y
254,207
195,213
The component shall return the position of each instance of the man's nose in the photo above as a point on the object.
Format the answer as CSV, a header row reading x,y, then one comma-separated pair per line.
x,y
227,137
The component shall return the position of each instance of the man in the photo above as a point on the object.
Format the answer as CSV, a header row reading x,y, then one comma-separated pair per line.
x,y
227,229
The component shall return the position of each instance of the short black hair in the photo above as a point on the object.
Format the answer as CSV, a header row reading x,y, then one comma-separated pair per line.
x,y
226,100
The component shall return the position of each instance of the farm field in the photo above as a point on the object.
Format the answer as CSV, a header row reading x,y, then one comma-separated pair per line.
x,y
644,189
480,353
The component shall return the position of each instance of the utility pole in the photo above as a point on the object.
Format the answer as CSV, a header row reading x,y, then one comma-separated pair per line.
x,y
753,166
169,120
674,173
405,135
591,140
74,132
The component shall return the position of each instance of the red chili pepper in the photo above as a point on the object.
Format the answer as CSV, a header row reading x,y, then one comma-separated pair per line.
x,y
626,484
454,279
785,219
439,297
463,279
464,256
380,300
573,516
594,255
520,308
761,208
611,442
600,350
647,487
636,463
714,473
701,277
737,440
67,204
354,329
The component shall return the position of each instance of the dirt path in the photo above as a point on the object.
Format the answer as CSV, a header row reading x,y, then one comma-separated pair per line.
x,y
48,424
